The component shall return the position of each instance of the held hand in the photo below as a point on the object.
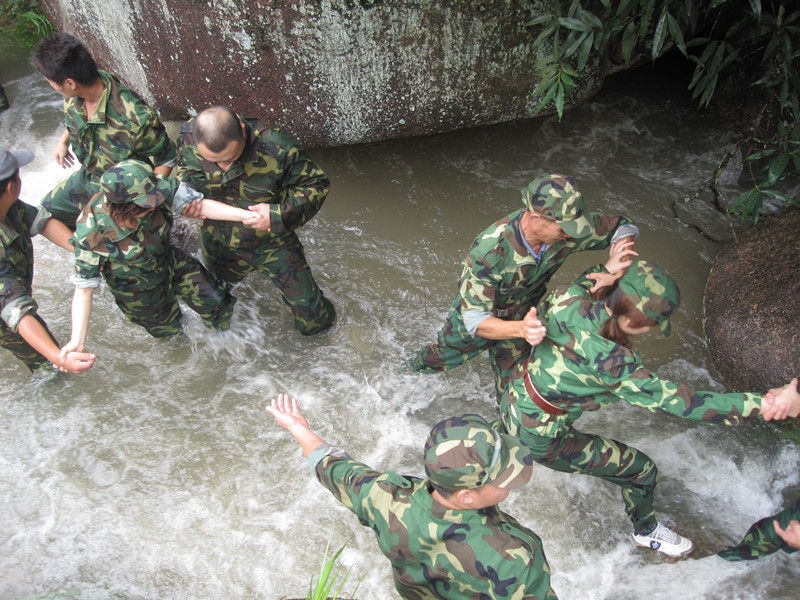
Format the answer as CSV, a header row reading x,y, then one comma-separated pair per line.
x,y
790,535
601,280
780,403
620,256
71,346
193,210
63,156
286,413
76,362
260,218
532,328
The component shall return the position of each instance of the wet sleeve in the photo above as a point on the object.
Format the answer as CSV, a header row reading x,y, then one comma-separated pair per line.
x,y
646,389
152,139
348,480
87,266
15,299
304,187
605,231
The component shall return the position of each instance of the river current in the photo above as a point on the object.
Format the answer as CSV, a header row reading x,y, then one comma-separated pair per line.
x,y
158,474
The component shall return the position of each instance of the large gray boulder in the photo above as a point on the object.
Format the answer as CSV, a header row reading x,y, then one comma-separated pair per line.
x,y
329,72
752,306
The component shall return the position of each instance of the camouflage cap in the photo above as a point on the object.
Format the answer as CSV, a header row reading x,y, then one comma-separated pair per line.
x,y
12,160
464,452
135,181
652,290
556,197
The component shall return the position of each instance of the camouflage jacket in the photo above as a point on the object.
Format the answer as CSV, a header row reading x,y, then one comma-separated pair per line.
x,y
272,169
16,264
130,259
437,552
576,369
500,273
121,126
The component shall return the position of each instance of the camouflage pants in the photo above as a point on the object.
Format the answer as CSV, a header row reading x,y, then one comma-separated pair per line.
x,y
22,350
157,310
761,539
66,201
286,266
576,452
455,346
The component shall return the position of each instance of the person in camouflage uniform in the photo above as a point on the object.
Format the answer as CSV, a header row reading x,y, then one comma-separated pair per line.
x,y
585,362
106,123
123,234
444,535
22,330
505,274
244,163
778,532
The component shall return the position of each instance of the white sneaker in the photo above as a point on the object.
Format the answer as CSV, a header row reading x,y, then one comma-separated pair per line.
x,y
665,540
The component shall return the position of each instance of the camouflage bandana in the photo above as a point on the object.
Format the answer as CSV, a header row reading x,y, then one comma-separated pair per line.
x,y
652,290
134,181
556,197
464,452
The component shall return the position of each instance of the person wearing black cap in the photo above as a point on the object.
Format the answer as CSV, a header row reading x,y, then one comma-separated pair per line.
x,y
444,535
22,330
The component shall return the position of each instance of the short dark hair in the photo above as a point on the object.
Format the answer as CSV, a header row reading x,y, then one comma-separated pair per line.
x,y
4,182
443,492
124,214
217,127
61,56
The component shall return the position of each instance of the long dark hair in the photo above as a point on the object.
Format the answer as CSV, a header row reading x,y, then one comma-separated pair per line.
x,y
125,215
622,307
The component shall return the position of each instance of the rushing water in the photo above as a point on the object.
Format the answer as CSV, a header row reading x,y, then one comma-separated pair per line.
x,y
158,474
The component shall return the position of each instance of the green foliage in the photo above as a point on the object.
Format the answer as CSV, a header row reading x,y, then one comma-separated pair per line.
x,y
328,576
23,21
717,36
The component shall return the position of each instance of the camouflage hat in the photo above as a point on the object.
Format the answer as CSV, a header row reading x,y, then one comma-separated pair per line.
x,y
556,197
135,181
464,452
652,290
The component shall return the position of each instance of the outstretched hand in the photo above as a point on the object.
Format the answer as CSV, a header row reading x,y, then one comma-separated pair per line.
x,y
780,403
286,413
790,535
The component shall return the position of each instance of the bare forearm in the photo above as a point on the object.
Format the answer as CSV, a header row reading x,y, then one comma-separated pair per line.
x,y
219,211
493,328
36,335
58,233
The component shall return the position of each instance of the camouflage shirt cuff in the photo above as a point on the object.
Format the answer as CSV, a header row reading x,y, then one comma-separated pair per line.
x,y
80,282
16,309
473,318
624,231
40,221
183,196
323,450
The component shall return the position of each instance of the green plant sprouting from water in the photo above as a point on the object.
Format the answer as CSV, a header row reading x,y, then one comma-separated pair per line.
x,y
716,36
328,575
23,21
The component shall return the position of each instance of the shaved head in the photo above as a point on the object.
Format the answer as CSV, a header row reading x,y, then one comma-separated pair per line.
x,y
217,127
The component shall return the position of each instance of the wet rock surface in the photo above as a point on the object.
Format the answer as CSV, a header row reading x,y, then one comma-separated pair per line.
x,y
752,306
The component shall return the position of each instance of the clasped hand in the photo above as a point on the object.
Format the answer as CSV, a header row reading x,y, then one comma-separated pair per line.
x,y
781,403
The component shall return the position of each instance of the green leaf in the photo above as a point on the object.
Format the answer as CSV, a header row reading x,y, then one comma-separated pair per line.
x,y
677,34
539,20
574,24
546,33
775,168
548,96
590,19
628,42
659,36
559,100
755,5
717,3
778,195
646,16
586,49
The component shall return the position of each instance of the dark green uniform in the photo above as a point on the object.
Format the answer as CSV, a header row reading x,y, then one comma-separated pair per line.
x,y
437,552
122,126
272,169
146,274
500,277
576,370
761,539
16,281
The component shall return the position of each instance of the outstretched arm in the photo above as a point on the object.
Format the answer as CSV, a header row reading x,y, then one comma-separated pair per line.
x,y
286,413
81,312
37,336
530,328
58,233
219,211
